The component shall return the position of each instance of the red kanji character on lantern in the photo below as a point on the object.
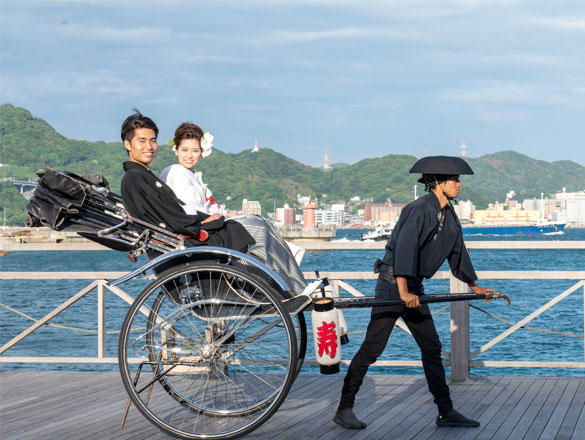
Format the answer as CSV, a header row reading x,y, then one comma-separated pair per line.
x,y
327,339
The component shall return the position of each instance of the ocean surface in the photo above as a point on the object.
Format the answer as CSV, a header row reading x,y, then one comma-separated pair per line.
x,y
36,298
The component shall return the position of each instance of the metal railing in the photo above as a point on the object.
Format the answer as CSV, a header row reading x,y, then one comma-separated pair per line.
x,y
460,358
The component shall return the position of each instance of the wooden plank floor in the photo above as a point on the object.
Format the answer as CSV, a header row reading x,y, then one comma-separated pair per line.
x,y
75,405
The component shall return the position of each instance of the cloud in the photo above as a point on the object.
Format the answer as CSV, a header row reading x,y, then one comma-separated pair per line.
x,y
304,36
516,58
18,88
136,35
570,24
507,93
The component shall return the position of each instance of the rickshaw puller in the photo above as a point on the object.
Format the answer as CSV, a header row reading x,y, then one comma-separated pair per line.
x,y
427,233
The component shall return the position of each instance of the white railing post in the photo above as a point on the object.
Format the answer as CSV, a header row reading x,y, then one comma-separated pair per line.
x,y
336,288
101,319
459,333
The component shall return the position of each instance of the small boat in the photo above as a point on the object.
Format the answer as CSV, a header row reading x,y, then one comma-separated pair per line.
x,y
381,233
3,253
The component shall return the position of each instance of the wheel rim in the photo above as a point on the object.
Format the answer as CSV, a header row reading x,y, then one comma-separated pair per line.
x,y
218,352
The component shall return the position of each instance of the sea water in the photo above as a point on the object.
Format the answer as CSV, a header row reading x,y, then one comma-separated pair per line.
x,y
35,298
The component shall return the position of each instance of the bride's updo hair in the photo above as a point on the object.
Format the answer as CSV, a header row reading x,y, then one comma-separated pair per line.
x,y
187,130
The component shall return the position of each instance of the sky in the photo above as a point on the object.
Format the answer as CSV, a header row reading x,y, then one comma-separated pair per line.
x,y
360,79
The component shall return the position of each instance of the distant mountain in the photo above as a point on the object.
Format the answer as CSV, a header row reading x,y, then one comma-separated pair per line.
x,y
339,165
30,144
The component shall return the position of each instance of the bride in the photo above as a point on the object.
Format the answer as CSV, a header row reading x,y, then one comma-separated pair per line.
x,y
190,144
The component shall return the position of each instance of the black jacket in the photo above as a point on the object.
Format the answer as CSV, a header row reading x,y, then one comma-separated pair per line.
x,y
423,238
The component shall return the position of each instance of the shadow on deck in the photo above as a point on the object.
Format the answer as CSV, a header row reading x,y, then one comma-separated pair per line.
x,y
73,405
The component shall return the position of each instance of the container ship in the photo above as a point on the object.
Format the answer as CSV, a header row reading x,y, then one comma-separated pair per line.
x,y
514,228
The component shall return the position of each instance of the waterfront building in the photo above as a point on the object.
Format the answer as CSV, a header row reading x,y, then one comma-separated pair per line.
x,y
368,210
340,208
251,207
550,209
575,212
464,210
328,217
573,204
286,215
387,214
564,195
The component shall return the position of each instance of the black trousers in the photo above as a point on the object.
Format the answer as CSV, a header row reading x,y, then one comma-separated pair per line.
x,y
421,324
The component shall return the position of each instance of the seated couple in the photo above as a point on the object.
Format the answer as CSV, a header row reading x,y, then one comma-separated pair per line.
x,y
179,201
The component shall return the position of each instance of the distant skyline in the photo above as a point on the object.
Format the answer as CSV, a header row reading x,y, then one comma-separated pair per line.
x,y
361,79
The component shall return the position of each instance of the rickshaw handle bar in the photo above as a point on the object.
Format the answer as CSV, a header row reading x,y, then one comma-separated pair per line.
x,y
354,303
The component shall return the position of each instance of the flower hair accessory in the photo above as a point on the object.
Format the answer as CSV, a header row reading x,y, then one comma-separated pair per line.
x,y
206,144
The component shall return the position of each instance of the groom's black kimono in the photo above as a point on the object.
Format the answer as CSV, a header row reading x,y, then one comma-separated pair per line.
x,y
148,198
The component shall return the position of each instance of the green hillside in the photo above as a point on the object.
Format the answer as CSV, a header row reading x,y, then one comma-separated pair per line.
x,y
29,144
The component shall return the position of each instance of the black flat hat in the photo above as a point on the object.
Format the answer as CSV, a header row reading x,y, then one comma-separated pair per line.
x,y
449,165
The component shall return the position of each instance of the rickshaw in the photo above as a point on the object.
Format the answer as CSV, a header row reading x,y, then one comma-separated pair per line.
x,y
212,345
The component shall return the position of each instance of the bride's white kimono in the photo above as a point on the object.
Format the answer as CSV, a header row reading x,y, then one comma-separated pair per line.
x,y
270,247
190,190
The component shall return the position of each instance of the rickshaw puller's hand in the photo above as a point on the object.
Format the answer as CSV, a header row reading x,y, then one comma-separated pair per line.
x,y
478,290
410,300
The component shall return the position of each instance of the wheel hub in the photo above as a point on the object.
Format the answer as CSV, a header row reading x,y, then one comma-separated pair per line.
x,y
207,352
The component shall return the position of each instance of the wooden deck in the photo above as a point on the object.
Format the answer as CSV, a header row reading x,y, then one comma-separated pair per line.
x,y
75,405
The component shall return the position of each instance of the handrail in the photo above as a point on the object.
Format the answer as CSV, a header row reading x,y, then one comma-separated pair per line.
x,y
465,359
460,359
319,246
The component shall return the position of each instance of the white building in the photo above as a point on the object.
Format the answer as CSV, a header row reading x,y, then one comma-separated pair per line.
x,y
575,213
328,217
251,207
464,210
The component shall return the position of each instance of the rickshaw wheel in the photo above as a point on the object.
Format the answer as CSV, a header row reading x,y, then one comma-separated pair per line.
x,y
217,351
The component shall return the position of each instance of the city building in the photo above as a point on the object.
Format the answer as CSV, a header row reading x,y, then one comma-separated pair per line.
x,y
368,210
575,212
384,214
573,204
464,210
251,207
286,215
340,208
328,217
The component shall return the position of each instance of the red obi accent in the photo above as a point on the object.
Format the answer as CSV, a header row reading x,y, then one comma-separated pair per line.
x,y
210,199
203,235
